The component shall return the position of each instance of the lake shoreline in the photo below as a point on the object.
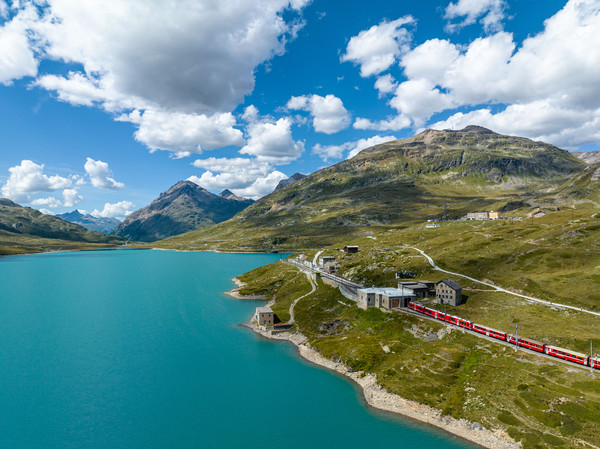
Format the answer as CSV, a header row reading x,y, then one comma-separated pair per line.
x,y
376,397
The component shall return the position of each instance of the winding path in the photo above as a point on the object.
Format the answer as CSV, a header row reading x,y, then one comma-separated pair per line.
x,y
503,290
292,305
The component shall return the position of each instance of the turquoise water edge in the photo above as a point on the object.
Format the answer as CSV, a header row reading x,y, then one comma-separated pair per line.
x,y
141,349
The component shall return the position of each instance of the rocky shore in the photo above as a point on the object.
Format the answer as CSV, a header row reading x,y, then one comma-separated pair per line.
x,y
235,293
378,398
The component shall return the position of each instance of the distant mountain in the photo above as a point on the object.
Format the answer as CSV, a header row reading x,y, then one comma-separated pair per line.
x,y
286,182
589,157
98,224
24,221
228,194
184,207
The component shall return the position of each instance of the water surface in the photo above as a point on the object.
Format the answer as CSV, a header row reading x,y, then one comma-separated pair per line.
x,y
140,349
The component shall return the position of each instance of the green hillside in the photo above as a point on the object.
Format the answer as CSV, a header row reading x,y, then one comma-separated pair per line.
x,y
433,175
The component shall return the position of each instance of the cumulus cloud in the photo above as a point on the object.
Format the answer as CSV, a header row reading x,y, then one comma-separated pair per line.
x,y
328,113
101,176
71,197
249,178
544,87
17,59
391,124
177,83
353,148
50,201
272,142
28,178
489,12
115,210
376,49
184,134
385,84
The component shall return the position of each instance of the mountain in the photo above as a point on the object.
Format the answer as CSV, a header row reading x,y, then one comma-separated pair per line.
x,y
98,224
24,230
184,207
589,157
286,182
228,194
434,174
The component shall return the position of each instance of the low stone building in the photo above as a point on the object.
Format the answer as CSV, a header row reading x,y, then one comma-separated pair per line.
x,y
388,298
421,289
264,316
366,297
448,292
350,249
493,215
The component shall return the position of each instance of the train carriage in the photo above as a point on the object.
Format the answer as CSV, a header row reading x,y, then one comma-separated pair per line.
x,y
564,354
481,329
497,334
531,344
595,363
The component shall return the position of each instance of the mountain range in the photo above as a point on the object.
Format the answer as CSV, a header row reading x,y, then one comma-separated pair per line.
x,y
432,175
98,224
184,207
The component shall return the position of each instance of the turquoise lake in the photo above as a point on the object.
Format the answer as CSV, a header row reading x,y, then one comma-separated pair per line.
x,y
141,349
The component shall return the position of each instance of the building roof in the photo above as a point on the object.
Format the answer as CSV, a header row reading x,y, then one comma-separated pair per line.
x,y
265,309
388,291
450,283
412,285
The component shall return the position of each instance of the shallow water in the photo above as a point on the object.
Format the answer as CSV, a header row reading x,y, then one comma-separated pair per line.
x,y
140,349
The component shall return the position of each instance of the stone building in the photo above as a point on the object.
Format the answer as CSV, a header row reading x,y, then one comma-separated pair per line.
x,y
448,292
388,298
350,249
421,289
264,316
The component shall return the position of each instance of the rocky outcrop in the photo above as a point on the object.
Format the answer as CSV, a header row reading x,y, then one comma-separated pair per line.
x,y
286,182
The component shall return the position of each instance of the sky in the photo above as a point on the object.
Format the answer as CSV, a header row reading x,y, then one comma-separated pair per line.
x,y
106,103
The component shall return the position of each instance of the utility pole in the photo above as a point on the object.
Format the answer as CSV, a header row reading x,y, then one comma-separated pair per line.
x,y
517,338
591,356
445,209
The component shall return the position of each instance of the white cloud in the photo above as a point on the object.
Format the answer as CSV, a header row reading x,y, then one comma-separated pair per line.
x,y
273,142
419,99
329,114
115,210
546,87
391,124
249,178
353,148
29,178
50,201
46,211
184,134
490,13
385,84
181,67
377,48
101,176
71,197
538,120
17,59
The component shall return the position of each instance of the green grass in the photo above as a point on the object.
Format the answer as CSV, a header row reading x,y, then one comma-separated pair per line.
x,y
541,403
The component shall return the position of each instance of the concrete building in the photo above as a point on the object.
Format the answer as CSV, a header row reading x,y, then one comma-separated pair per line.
x,y
421,289
366,297
448,292
350,249
264,316
493,215
388,298
326,259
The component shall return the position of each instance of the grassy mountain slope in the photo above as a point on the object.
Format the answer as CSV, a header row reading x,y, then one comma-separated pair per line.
x,y
24,230
431,175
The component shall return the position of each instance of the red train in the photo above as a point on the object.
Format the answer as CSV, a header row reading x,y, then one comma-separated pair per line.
x,y
575,357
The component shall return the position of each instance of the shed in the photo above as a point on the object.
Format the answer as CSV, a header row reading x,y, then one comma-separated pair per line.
x,y
350,249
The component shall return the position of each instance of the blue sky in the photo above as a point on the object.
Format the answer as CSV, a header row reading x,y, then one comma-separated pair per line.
x,y
105,104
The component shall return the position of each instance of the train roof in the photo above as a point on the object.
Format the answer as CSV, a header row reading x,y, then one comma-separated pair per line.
x,y
489,328
567,351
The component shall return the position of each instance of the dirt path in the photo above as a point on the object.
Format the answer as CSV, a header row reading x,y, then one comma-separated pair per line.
x,y
503,290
